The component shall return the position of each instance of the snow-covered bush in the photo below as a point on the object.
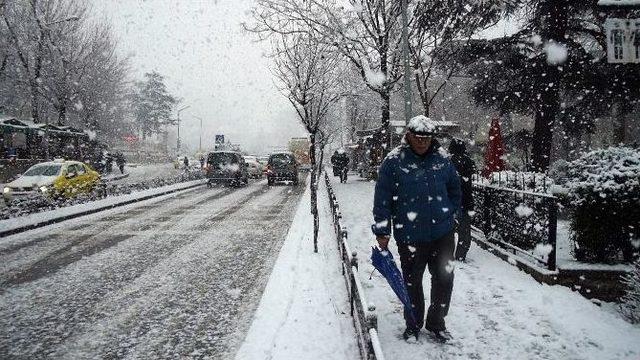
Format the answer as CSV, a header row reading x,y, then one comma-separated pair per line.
x,y
604,193
630,306
558,171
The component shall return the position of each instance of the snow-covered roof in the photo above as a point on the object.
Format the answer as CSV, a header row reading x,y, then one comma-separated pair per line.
x,y
630,3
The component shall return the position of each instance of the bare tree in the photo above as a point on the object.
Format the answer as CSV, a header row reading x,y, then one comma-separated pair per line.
x,y
366,32
28,45
61,64
307,71
436,36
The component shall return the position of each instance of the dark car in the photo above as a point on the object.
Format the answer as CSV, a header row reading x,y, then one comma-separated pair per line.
x,y
282,167
226,167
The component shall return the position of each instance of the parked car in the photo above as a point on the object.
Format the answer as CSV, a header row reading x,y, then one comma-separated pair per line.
x,y
53,179
254,168
282,166
226,167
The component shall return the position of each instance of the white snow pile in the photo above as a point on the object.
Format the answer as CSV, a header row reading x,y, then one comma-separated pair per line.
x,y
615,170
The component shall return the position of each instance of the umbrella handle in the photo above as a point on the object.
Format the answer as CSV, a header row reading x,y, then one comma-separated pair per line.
x,y
374,270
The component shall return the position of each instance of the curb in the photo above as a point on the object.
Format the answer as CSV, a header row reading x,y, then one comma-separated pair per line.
x,y
24,228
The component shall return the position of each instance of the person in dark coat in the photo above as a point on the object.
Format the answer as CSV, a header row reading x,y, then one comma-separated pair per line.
x,y
120,161
466,168
108,165
417,194
340,162
185,161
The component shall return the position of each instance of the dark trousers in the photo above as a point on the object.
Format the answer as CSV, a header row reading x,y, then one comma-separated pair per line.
x,y
464,235
438,257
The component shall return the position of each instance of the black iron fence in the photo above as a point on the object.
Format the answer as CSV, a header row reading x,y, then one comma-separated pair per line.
x,y
526,181
522,222
364,316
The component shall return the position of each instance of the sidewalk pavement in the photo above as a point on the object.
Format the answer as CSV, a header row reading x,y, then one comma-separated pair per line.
x,y
304,310
497,311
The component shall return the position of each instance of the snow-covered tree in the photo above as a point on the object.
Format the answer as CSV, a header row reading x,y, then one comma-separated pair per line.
x,y
60,64
366,32
436,30
308,72
555,70
153,104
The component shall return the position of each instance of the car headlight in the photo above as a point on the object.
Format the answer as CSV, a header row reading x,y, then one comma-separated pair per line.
x,y
7,190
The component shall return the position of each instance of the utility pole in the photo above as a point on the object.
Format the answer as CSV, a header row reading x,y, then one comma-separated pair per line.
x,y
405,58
178,142
200,145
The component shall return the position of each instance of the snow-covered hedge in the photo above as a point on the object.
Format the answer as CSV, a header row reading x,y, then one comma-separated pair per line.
x,y
630,306
604,193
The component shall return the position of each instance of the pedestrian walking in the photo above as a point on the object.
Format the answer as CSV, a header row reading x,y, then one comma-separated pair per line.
x,y
185,161
417,194
120,161
466,168
340,162
108,163
201,161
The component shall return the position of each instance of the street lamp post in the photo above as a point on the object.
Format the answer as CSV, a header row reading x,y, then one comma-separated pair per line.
x,y
178,142
405,58
200,145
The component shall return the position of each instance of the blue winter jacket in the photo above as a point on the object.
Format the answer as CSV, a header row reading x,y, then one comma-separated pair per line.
x,y
416,195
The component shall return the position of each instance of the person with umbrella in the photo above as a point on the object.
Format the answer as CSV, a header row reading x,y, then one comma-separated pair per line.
x,y
417,194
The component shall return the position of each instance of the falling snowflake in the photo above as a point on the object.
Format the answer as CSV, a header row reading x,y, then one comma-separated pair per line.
x,y
523,210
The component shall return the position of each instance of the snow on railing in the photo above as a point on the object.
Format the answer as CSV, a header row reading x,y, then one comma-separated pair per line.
x,y
365,318
523,222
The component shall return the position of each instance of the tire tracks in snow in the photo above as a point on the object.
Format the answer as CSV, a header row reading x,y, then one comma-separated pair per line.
x,y
43,313
213,289
68,249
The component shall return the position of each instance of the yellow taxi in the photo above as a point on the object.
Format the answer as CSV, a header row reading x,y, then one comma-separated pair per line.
x,y
53,179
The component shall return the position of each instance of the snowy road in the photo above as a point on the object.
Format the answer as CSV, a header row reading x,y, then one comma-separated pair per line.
x,y
173,278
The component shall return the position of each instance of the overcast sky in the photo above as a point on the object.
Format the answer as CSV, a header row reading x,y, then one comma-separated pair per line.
x,y
208,61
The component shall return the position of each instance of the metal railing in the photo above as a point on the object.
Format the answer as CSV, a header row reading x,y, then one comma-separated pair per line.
x,y
536,182
364,316
521,222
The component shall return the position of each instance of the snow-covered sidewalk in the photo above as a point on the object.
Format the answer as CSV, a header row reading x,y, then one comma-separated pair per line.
x,y
304,310
497,311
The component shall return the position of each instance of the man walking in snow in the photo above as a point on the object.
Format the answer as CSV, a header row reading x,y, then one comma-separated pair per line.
x,y
466,168
417,194
340,162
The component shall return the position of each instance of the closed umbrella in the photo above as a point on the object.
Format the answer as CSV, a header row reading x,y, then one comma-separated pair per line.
x,y
383,262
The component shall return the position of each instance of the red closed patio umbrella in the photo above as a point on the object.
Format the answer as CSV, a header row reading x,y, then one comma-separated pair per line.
x,y
493,156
